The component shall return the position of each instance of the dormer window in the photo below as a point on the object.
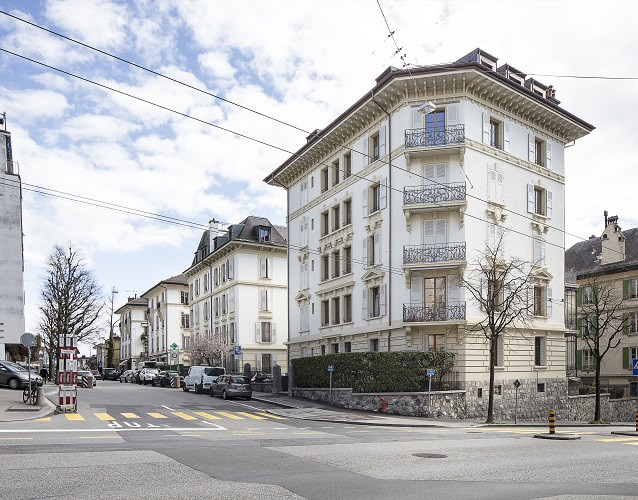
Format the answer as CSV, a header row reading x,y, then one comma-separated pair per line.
x,y
264,233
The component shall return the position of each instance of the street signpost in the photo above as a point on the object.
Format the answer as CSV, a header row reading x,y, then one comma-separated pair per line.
x,y
517,384
430,373
174,354
331,369
28,341
237,351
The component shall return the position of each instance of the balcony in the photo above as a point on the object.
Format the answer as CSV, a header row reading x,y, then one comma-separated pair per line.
x,y
438,253
418,313
434,197
426,137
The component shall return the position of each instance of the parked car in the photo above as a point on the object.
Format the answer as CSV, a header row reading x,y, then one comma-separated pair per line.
x,y
16,376
232,386
261,377
110,374
96,374
132,376
163,378
125,375
146,375
200,378
86,374
135,377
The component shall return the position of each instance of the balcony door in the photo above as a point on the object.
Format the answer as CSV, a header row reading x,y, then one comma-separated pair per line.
x,y
435,232
435,174
435,297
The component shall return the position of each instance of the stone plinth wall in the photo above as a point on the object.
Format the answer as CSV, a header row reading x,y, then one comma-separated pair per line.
x,y
622,410
261,386
443,404
582,407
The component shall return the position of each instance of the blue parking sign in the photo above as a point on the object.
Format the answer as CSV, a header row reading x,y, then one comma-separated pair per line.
x,y
634,367
237,351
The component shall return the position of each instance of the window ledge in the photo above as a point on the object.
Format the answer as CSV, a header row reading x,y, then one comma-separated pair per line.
x,y
499,368
544,367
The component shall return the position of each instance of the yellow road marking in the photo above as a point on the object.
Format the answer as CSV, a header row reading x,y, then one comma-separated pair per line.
x,y
129,415
103,416
16,439
632,444
250,415
270,415
613,440
73,416
43,419
183,415
229,415
207,415
154,414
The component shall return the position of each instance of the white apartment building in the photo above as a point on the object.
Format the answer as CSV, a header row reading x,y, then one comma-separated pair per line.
x,y
11,256
168,319
133,327
238,288
392,203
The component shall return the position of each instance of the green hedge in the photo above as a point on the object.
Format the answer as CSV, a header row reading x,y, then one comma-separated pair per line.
x,y
400,371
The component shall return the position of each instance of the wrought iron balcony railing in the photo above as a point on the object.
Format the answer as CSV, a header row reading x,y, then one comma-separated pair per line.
x,y
429,254
437,193
418,313
424,137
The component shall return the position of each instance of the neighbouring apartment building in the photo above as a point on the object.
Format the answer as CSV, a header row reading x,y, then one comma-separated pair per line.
x,y
133,327
392,203
610,260
168,319
11,254
237,283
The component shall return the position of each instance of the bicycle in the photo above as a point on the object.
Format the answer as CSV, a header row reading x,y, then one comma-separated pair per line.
x,y
33,394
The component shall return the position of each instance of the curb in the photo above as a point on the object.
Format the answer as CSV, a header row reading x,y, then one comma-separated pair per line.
x,y
557,437
626,433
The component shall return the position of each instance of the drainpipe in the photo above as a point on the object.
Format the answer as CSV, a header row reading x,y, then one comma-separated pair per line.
x,y
389,195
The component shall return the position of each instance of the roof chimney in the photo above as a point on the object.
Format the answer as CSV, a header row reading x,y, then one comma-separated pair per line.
x,y
613,241
213,230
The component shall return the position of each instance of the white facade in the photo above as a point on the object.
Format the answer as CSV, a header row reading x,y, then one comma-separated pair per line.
x,y
11,258
239,292
377,253
133,326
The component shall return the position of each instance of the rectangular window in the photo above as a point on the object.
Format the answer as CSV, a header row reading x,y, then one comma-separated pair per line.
x,y
570,309
495,295
334,348
216,274
184,298
266,363
347,212
223,271
588,360
325,267
633,289
347,165
232,333
347,347
539,201
374,345
336,264
323,350
496,139
303,193
325,313
224,303
324,180
435,128
588,295
540,387
264,235
206,280
185,321
336,310
266,331
303,352
335,173
539,152
336,223
375,198
325,228
347,309
264,267
632,318
539,351
586,327
374,147
347,260
375,302
539,300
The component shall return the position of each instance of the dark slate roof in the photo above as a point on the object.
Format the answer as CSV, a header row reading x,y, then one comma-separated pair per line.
x,y
136,302
180,279
246,230
583,258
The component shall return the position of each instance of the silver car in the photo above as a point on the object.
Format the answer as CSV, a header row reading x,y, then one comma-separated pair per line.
x,y
232,386
16,376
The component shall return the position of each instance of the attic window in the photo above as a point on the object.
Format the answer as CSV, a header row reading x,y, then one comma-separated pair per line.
x,y
264,233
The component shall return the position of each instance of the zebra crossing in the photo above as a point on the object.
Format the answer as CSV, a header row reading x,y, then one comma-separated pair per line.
x,y
167,415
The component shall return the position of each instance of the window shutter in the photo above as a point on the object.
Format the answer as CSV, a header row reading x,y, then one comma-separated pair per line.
x,y
486,128
366,151
491,236
625,358
273,332
625,323
579,360
383,194
453,290
537,250
263,299
549,303
498,193
382,308
625,289
548,202
262,267
530,198
364,303
543,360
274,358
441,231
506,137
441,173
377,248
531,149
365,202
452,115
579,327
579,297
232,301
416,290
231,268
548,154
428,232
382,141
365,252
417,119
269,294
429,174
258,362
258,332
491,184
530,299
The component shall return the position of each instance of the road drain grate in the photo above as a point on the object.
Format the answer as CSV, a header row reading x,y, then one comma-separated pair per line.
x,y
429,455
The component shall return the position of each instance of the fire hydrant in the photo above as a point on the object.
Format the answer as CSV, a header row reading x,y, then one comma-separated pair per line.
x,y
384,407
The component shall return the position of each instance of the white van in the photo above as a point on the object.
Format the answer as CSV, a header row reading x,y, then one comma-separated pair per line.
x,y
200,378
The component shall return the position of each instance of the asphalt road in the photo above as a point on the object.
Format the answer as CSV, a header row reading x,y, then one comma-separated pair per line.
x,y
129,441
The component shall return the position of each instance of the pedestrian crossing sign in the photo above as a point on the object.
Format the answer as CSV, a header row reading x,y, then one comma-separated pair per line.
x,y
634,367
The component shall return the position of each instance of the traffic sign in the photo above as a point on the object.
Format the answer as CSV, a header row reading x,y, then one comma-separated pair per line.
x,y
174,355
634,367
331,368
430,372
238,351
174,346
27,339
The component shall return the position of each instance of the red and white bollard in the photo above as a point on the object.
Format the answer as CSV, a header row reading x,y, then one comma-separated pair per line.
x,y
67,373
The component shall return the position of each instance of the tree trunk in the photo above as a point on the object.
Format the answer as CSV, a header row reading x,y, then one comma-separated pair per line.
x,y
597,406
490,400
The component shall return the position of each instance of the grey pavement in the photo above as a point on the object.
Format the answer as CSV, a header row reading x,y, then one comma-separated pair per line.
x,y
12,408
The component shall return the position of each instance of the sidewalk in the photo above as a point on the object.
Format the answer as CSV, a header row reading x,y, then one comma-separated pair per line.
x,y
12,409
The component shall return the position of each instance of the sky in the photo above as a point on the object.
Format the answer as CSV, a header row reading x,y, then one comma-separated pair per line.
x,y
191,156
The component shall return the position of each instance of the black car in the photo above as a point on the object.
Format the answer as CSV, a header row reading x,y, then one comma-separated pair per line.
x,y
163,378
111,374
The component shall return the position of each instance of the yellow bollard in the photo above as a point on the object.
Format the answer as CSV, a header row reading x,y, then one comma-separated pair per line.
x,y
552,422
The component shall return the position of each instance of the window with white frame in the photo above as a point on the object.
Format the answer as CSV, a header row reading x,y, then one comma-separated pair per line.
x,y
324,180
265,264
499,351
303,352
632,289
185,321
303,192
336,220
347,212
206,281
347,165
494,237
588,359
495,179
184,298
304,318
374,345
347,260
374,146
539,351
325,312
539,201
265,299
335,172
336,263
303,232
539,250
347,308
587,295
375,197
372,249
325,223
632,323
304,276
541,300
336,310
325,267
539,151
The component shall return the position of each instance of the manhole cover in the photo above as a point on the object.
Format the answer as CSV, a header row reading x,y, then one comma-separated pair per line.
x,y
429,455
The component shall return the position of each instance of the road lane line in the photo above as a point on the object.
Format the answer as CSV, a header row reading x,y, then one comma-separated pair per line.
x,y
229,415
154,414
613,440
100,437
207,415
73,416
250,415
215,427
16,439
104,416
307,432
129,415
43,419
183,415
169,409
270,415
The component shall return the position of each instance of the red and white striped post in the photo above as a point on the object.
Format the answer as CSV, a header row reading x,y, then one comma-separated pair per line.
x,y
67,373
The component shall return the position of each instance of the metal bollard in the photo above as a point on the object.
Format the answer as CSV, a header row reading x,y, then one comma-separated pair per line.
x,y
552,422
384,408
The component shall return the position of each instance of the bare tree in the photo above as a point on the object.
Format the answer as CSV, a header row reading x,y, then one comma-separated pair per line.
x,y
601,323
499,286
206,349
71,299
110,343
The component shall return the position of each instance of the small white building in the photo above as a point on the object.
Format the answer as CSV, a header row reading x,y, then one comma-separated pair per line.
x,y
11,256
238,288
133,326
168,319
